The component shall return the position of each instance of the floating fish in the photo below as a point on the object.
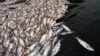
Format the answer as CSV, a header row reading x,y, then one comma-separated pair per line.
x,y
84,44
66,27
56,48
65,33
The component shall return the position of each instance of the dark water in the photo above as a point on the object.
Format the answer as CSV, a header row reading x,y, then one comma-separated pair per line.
x,y
84,18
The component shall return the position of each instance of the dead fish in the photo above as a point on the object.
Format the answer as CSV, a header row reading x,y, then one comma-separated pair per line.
x,y
28,29
16,32
56,48
45,21
31,33
60,15
84,44
46,51
34,53
32,46
21,42
54,40
65,33
7,43
11,46
59,30
50,33
58,24
19,53
52,23
66,27
43,38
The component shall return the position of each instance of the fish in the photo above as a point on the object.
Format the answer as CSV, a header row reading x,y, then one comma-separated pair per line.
x,y
31,33
46,51
16,32
66,27
52,23
11,46
54,40
58,24
65,33
22,43
43,38
56,48
35,52
59,30
19,53
32,46
84,44
7,43
50,34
